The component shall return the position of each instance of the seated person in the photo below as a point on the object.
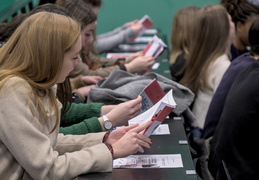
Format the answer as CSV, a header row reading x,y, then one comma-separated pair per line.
x,y
234,142
91,64
108,41
243,13
181,35
208,60
236,66
28,77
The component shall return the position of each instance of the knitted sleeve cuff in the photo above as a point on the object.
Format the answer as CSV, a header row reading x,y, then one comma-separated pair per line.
x,y
109,146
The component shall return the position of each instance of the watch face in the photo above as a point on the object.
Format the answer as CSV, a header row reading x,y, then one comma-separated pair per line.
x,y
108,124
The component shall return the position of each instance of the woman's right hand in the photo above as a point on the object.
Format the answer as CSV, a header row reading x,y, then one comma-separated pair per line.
x,y
133,56
140,65
121,113
89,80
132,141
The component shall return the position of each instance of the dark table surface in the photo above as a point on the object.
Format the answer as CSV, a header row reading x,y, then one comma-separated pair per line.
x,y
162,144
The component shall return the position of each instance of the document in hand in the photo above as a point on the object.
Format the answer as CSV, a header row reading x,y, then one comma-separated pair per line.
x,y
146,21
151,94
155,47
158,112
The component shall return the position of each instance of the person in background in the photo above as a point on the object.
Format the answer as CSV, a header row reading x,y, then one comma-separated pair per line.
x,y
78,118
255,2
106,42
236,66
7,29
38,151
208,60
84,118
181,35
233,150
98,66
243,13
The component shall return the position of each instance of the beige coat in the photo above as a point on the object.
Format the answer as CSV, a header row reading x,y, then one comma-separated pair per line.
x,y
29,151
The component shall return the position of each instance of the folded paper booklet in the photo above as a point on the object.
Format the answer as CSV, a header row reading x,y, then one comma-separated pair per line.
x,y
155,107
151,94
146,21
155,47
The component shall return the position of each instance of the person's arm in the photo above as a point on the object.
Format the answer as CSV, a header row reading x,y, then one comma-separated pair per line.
x,y
83,69
104,44
81,119
112,32
32,148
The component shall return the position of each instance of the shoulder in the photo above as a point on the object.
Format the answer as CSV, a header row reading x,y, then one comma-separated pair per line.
x,y
16,83
222,62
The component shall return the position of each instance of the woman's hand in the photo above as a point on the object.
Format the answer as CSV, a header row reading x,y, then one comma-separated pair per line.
x,y
131,23
121,113
129,140
133,56
140,64
89,80
84,91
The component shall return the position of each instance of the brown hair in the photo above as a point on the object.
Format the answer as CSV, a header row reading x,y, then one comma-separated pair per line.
x,y
210,41
39,60
181,34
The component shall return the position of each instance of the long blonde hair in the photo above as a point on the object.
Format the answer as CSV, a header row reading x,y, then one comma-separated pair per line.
x,y
181,31
35,52
210,41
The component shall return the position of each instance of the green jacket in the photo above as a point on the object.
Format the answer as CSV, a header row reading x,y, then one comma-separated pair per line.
x,y
81,119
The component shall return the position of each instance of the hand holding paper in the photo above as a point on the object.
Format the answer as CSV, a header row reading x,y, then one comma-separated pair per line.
x,y
155,47
157,110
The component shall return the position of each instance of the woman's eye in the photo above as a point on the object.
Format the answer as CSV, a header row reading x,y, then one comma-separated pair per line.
x,y
87,35
75,58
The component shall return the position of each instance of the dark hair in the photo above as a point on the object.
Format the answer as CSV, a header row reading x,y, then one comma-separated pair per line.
x,y
10,27
94,3
240,10
253,37
49,7
81,11
7,29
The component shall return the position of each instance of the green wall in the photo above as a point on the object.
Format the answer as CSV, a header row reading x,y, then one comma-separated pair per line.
x,y
114,13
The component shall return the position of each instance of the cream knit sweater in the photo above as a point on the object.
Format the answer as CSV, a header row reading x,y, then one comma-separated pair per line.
x,y
29,151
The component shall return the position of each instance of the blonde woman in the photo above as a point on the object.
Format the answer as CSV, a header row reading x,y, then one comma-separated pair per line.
x,y
181,35
30,146
208,59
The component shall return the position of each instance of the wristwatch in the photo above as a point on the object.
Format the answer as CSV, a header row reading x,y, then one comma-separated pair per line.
x,y
76,98
107,123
